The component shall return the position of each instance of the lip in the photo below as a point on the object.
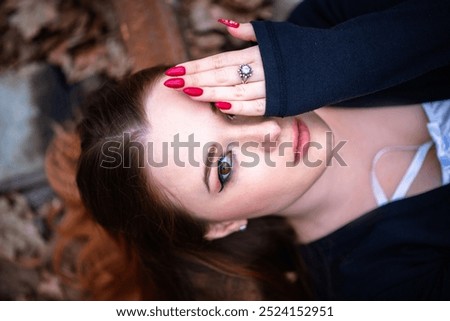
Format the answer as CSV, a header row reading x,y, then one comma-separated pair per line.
x,y
301,139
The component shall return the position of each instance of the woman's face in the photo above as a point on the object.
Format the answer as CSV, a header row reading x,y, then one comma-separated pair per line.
x,y
254,170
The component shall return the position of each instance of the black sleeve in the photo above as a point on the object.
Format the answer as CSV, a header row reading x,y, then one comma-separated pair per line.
x,y
329,13
306,68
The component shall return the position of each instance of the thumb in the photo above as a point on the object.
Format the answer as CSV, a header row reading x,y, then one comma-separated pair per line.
x,y
243,31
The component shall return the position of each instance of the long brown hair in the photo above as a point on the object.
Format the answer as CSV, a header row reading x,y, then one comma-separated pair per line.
x,y
175,260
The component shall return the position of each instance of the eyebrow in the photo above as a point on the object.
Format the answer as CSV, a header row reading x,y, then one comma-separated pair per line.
x,y
208,162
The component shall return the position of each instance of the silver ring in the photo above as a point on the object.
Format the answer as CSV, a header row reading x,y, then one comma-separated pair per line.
x,y
245,72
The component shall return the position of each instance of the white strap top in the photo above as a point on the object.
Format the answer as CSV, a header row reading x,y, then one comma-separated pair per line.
x,y
407,179
438,113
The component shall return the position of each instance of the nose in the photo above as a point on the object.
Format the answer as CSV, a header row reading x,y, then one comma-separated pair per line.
x,y
255,129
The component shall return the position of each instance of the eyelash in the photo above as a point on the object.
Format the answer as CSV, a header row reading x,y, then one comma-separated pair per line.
x,y
225,163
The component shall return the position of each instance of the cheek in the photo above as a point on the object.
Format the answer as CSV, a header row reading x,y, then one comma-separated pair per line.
x,y
275,188
264,192
243,207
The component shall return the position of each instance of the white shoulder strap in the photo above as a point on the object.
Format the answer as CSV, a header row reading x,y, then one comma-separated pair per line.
x,y
408,178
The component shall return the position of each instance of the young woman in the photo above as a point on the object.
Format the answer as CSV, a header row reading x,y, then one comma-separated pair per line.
x,y
132,188
193,189
171,205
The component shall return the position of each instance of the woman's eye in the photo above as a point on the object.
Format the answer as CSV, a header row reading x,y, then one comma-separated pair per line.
x,y
224,169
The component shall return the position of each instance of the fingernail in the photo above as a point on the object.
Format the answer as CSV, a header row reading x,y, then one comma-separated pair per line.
x,y
229,23
223,105
176,71
193,91
174,83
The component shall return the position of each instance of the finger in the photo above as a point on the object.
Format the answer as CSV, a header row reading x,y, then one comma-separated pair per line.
x,y
256,107
226,59
226,76
244,32
241,92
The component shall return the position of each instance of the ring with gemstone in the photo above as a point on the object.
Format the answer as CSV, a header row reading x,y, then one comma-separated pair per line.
x,y
245,72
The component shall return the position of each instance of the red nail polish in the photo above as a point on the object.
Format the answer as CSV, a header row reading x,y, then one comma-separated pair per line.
x,y
176,71
223,105
229,23
174,83
193,91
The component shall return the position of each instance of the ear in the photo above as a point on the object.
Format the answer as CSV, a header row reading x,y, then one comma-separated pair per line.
x,y
222,229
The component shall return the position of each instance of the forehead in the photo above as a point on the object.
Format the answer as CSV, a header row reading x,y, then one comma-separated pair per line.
x,y
177,122
171,112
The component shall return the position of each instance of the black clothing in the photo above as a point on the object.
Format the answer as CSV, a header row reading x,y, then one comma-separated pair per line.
x,y
399,251
356,53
